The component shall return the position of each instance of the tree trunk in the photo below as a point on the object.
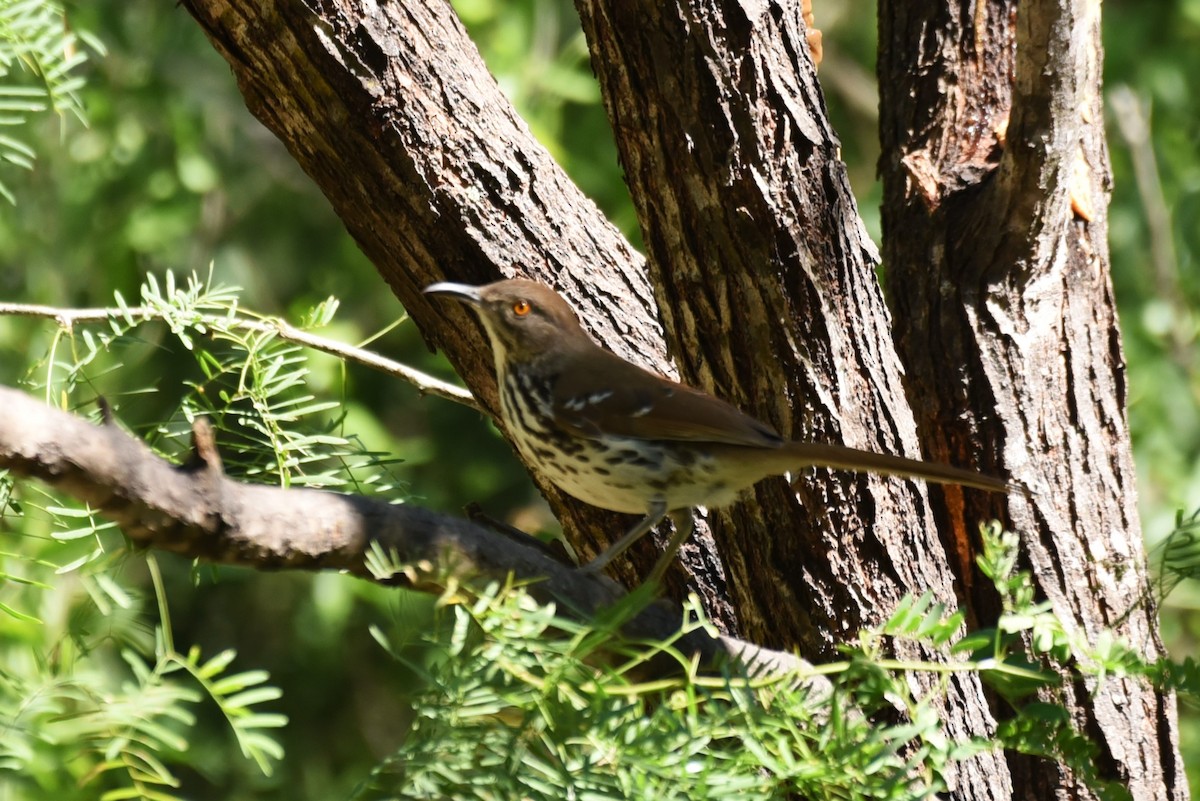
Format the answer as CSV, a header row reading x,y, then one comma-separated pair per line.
x,y
766,283
391,111
762,273
996,187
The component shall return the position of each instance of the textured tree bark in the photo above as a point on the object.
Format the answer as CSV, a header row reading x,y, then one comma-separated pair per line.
x,y
392,112
996,186
749,218
765,282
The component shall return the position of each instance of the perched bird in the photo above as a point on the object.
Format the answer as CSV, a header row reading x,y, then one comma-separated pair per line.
x,y
622,438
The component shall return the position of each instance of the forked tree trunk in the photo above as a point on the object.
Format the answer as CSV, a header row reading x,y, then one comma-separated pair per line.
x,y
764,281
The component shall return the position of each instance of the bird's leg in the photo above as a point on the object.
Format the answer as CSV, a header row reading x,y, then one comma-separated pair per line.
x,y
654,516
682,518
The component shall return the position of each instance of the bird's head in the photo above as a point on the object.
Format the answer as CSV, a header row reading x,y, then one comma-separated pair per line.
x,y
525,320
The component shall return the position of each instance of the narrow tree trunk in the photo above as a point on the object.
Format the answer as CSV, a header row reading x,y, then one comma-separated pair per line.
x,y
996,191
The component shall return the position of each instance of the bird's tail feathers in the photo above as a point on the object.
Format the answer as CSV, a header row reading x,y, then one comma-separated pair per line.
x,y
813,454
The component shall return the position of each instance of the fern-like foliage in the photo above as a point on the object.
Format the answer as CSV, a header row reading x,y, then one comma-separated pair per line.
x,y
40,60
249,382
516,708
510,699
514,705
106,711
95,700
1177,557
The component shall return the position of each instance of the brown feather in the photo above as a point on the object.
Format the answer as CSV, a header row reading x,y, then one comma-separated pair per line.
x,y
816,454
690,448
642,405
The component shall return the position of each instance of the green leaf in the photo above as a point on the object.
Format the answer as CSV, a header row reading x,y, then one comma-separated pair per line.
x,y
213,666
239,681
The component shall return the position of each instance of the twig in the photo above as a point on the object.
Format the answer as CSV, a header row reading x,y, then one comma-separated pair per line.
x,y
424,383
1132,115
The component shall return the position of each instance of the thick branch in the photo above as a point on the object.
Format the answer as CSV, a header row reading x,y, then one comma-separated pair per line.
x,y
769,297
768,288
197,511
764,269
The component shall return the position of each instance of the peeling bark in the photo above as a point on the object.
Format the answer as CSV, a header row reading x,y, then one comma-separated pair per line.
x,y
996,193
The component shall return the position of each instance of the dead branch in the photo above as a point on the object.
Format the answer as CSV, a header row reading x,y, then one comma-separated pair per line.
x,y
195,510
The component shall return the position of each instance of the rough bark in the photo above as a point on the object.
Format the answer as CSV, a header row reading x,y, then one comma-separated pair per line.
x,y
392,112
765,281
996,186
749,218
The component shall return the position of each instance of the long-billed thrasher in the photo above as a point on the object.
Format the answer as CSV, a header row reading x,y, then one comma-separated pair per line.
x,y
619,437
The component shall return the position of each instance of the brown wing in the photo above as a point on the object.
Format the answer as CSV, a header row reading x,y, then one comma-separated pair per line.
x,y
620,398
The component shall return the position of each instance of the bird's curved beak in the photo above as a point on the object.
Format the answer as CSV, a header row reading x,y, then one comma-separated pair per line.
x,y
461,292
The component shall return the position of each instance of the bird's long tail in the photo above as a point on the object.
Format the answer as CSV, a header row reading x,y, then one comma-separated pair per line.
x,y
813,454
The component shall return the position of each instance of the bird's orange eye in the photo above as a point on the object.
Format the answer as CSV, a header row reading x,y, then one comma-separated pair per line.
x,y
521,308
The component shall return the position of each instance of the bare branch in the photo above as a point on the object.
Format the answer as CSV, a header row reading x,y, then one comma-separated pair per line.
x,y
195,510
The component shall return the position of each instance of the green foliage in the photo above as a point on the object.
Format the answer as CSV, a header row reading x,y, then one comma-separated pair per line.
x,y
93,703
85,731
40,60
516,708
505,698
1177,557
521,702
1152,77
173,173
251,383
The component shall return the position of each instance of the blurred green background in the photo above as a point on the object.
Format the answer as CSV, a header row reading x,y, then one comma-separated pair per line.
x,y
171,173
